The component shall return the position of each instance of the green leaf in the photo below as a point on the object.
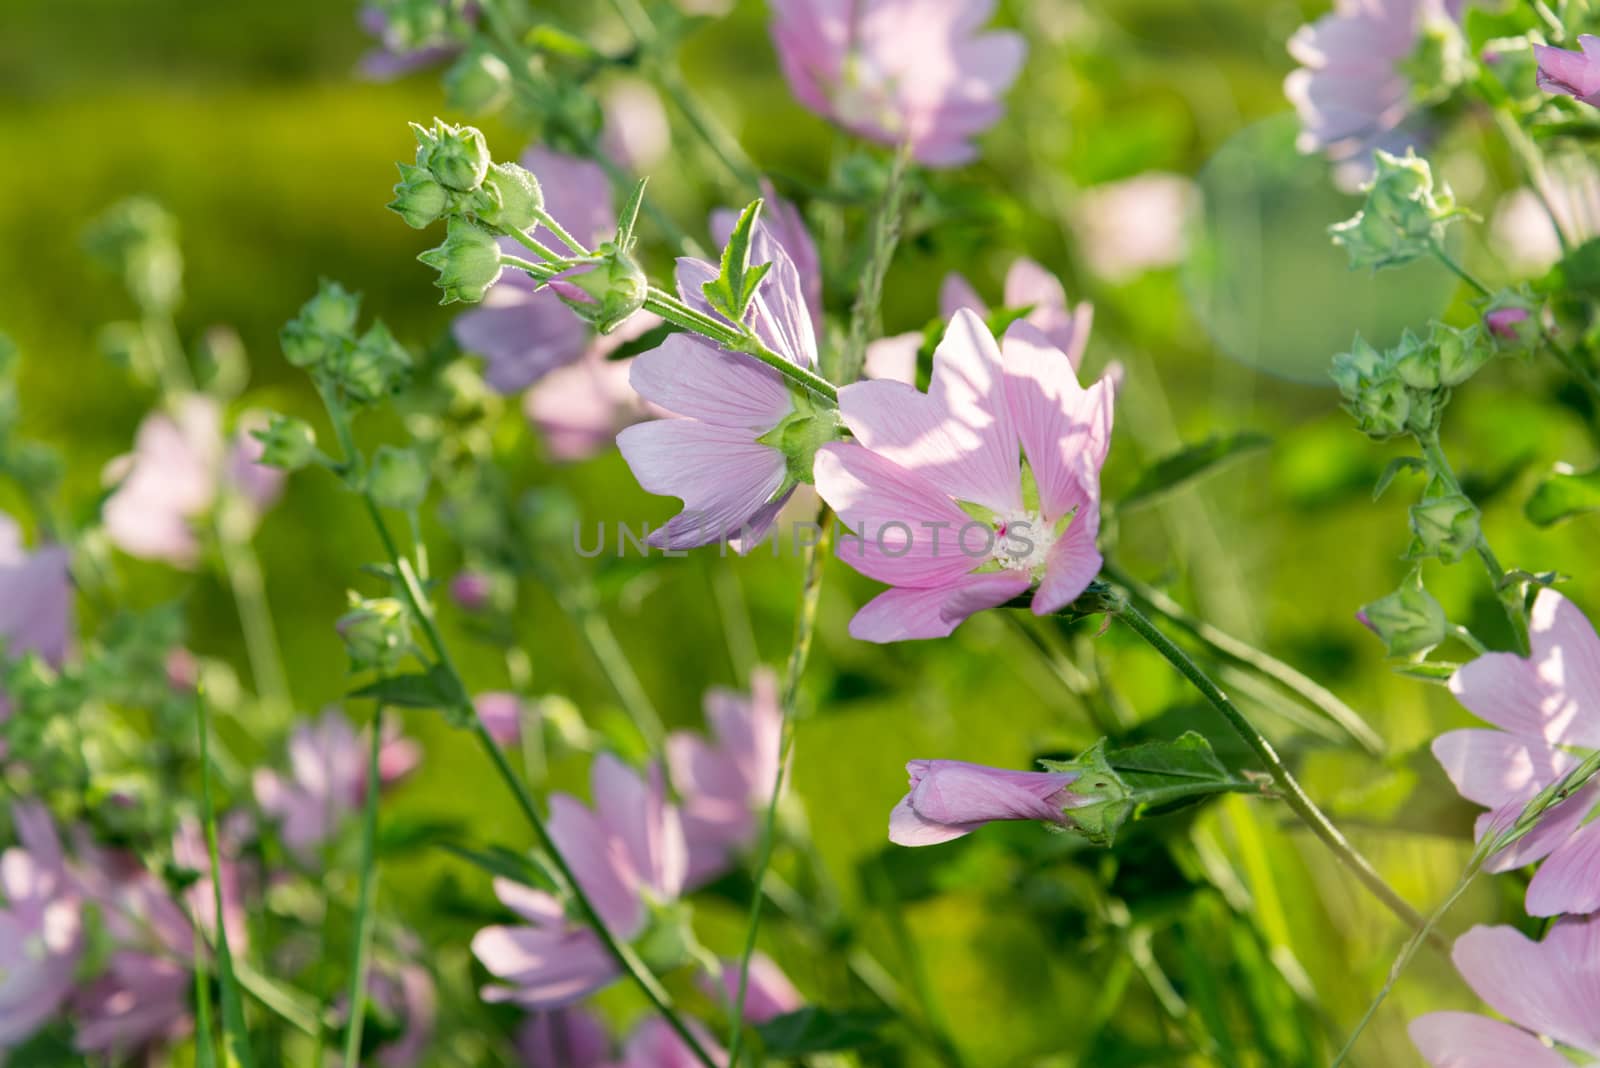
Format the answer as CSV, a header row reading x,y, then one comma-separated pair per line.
x,y
432,689
650,339
1562,495
818,1030
1429,670
1390,472
502,862
735,287
1189,463
557,42
628,218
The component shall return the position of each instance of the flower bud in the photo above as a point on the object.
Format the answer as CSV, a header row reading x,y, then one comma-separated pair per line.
x,y
1353,369
138,240
1446,527
374,367
323,327
1403,218
457,156
512,198
1409,620
222,367
128,345
1415,363
1461,353
472,590
1514,318
398,479
468,262
478,83
419,199
287,443
1383,408
605,293
376,632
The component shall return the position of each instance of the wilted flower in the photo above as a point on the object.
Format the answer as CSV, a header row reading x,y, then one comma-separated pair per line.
x,y
626,851
41,933
1574,74
728,458
966,496
1549,988
1134,225
1027,285
726,783
563,1038
914,72
171,481
327,780
35,599
1547,711
951,798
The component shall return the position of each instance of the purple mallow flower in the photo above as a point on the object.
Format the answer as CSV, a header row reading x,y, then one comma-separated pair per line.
x,y
726,782
965,497
41,927
1549,988
563,1038
732,483
917,72
35,600
1574,74
768,992
404,993
578,409
396,56
501,713
327,780
1546,711
951,798
626,850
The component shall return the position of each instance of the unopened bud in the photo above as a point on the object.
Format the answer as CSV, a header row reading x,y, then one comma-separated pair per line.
x,y
1514,318
398,479
1446,527
1403,218
374,367
478,83
468,262
325,324
605,293
376,632
457,156
1462,353
287,443
512,198
419,199
1409,620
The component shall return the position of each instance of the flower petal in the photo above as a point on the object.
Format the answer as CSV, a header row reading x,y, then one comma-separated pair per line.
x,y
726,480
906,614
1569,879
1465,1040
690,377
1550,987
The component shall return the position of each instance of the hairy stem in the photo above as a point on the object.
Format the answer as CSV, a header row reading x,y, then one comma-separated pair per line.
x,y
885,238
366,896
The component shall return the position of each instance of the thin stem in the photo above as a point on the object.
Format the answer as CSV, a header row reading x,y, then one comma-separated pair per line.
x,y
236,1038
614,664
1532,162
1285,781
1506,591
675,311
1458,270
366,896
1248,656
804,628
885,237
243,570
550,223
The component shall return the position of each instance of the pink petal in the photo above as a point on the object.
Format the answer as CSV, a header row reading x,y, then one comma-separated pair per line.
x,y
955,293
904,614
1494,768
689,377
1550,987
908,828
726,480
547,968
598,863
1569,879
1463,1040
636,814
1065,429
894,358
955,792
1073,562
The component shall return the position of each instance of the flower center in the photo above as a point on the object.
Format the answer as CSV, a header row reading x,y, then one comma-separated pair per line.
x,y
1022,542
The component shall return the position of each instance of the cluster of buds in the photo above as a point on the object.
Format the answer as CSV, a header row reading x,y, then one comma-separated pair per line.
x,y
1404,217
1409,621
1405,389
322,339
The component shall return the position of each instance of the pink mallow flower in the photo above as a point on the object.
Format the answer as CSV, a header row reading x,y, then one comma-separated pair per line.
x,y
1549,988
727,782
716,459
525,331
501,713
1574,74
1027,285
167,487
627,853
965,497
654,1044
951,798
1503,323
563,1038
41,927
578,409
35,600
917,72
1547,711
404,996
327,779
768,992
1350,89
395,57
1138,224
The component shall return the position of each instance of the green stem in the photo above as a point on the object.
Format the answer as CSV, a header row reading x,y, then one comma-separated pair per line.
x,y
804,629
1532,162
236,1037
614,664
366,895
1248,656
1458,270
676,311
885,237
1507,592
1285,781
243,569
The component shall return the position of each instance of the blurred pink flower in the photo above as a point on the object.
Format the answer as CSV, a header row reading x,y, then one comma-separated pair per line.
x,y
1028,285
1574,74
726,783
1545,708
1502,322
628,848
41,927
654,1044
471,590
35,600
636,134
1138,224
1350,89
501,713
563,1038
327,780
1549,988
916,72
768,992
578,409
525,332
923,466
732,485
951,798
405,994
393,58
169,484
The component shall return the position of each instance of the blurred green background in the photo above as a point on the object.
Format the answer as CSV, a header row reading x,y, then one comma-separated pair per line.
x,y
248,123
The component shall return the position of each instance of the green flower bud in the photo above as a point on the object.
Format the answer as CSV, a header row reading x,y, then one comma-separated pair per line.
x,y
1354,369
468,262
222,366
1461,353
1383,408
1446,527
398,479
138,240
478,83
376,632
512,198
1409,620
1403,219
374,367
323,328
287,443
1416,363
128,345
1514,318
608,292
418,198
1106,801
457,156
